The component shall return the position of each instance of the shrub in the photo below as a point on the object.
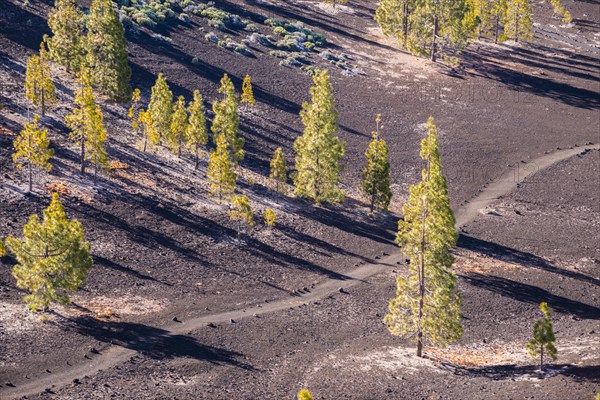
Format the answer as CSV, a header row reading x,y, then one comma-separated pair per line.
x,y
251,28
211,37
260,39
269,217
279,30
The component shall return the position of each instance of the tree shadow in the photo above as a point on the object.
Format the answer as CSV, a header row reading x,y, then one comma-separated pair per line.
x,y
589,373
524,259
153,342
531,294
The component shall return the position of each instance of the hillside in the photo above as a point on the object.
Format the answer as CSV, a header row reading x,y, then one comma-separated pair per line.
x,y
179,305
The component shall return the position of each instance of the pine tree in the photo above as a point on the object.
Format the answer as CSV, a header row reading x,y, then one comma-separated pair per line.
x,y
135,110
220,173
518,24
498,13
543,337
226,121
86,124
179,122
160,108
53,257
304,394
196,134
375,182
427,303
67,44
318,151
107,50
392,17
247,93
279,171
2,249
241,211
269,217
31,148
148,130
39,88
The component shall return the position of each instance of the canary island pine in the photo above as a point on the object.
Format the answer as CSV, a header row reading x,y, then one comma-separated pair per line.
x,y
31,148
318,151
196,134
53,257
543,337
220,172
426,308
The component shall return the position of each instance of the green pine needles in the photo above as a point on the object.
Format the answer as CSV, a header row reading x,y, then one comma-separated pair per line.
x,y
226,121
426,308
318,151
53,257
375,182
543,337
31,148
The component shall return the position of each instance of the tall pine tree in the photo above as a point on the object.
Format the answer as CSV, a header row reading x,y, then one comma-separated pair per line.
x,y
392,17
53,257
39,88
196,134
220,172
31,148
318,151
107,50
86,123
426,308
518,24
179,122
375,182
226,121
161,109
67,43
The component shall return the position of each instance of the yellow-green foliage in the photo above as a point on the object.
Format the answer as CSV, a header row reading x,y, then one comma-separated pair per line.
x,y
304,394
135,110
279,171
518,24
270,217
426,308
179,122
161,109
2,249
39,88
53,257
241,210
31,148
220,173
375,182
247,93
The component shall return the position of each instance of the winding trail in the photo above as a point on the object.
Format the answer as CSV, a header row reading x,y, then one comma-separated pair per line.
x,y
466,213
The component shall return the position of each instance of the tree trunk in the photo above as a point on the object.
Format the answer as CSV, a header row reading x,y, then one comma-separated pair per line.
x,y
433,40
196,166
372,203
82,155
145,142
405,21
43,102
516,28
30,176
542,358
497,28
95,174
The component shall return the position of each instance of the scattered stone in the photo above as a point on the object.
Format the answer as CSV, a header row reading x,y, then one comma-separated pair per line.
x,y
211,325
76,381
344,291
93,350
175,319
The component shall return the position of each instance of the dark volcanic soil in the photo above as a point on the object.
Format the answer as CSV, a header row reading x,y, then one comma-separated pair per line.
x,y
163,250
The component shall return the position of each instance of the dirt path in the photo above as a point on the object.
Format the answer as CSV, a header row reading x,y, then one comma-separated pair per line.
x,y
465,214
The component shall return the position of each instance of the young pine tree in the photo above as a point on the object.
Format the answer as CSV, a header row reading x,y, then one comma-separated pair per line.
x,y
107,50
95,143
392,17
375,182
220,173
39,88
318,151
279,171
67,43
86,123
543,337
226,121
241,211
135,110
269,217
304,394
518,24
148,131
498,14
247,93
196,134
161,109
179,123
53,257
427,303
31,148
